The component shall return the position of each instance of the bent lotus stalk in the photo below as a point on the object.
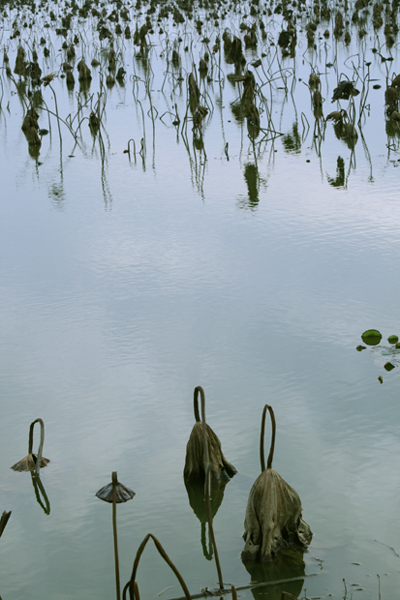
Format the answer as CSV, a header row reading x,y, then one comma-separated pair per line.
x,y
274,513
33,462
132,586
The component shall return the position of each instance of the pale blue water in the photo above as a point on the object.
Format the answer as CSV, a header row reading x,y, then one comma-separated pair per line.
x,y
124,285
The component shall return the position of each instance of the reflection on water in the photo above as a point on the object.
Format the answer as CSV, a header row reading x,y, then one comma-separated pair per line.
x,y
339,180
197,501
127,277
288,564
40,493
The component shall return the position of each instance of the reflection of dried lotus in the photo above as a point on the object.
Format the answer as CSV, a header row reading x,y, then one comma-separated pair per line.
x,y
314,81
84,71
194,93
344,90
195,464
94,122
32,136
20,63
33,462
288,567
337,116
391,98
273,515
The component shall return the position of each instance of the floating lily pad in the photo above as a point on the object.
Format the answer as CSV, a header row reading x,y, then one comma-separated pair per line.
x,y
372,337
380,379
389,366
360,347
393,339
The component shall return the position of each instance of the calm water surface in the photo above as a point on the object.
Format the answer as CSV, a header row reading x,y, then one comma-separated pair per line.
x,y
124,284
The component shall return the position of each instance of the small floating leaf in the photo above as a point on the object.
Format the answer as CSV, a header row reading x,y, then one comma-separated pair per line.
x,y
389,366
380,379
360,347
371,337
393,339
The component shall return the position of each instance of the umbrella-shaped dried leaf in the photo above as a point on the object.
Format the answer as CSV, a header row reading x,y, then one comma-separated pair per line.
x,y
123,493
274,513
33,462
195,464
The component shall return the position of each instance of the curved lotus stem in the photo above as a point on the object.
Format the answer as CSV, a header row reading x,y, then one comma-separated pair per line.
x,y
271,450
33,462
40,450
132,585
198,390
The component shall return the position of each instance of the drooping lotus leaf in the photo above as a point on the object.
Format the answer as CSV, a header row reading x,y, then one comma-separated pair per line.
x,y
372,337
195,463
274,513
393,339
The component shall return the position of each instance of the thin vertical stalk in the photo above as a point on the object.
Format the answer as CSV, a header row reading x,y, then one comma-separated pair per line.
x,y
114,519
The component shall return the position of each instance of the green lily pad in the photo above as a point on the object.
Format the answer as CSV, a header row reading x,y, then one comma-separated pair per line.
x,y
360,347
371,337
393,339
389,366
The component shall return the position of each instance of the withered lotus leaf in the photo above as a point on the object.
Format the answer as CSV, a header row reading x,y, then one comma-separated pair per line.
x,y
195,464
33,462
274,513
122,493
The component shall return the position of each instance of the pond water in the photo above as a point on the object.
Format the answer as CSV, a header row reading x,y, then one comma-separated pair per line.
x,y
250,269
